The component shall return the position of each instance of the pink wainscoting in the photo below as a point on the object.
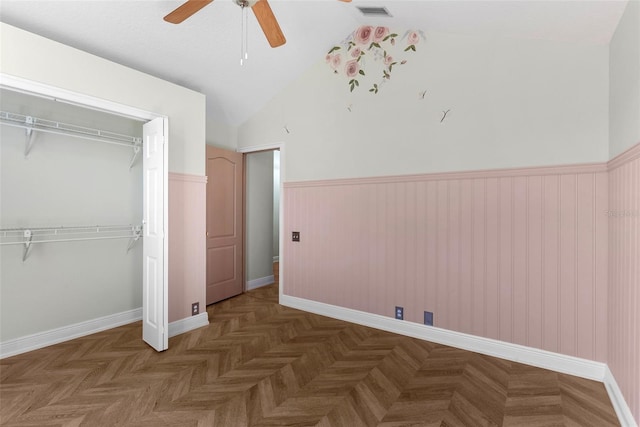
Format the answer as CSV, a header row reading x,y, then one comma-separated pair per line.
x,y
624,275
518,255
187,255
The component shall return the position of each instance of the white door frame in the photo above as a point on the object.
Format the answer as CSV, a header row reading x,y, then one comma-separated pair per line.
x,y
269,147
54,93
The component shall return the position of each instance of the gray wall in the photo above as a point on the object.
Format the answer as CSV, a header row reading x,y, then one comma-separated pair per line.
x,y
259,197
624,83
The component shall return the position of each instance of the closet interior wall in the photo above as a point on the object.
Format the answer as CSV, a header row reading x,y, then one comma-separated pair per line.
x,y
67,181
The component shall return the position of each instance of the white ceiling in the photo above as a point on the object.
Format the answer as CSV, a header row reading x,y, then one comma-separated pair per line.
x,y
203,53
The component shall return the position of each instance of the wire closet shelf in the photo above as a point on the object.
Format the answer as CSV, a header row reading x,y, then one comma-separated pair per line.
x,y
30,236
31,124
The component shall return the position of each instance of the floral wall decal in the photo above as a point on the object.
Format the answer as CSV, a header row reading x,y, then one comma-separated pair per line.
x,y
376,49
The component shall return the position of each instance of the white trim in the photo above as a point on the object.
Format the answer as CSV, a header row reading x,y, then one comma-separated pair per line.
x,y
617,400
185,177
262,147
165,243
69,97
188,324
276,258
260,282
518,353
65,333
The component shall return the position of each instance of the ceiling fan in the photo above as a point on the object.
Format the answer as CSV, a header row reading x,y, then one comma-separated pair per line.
x,y
261,10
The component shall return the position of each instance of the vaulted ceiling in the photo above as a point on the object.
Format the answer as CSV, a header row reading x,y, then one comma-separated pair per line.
x,y
203,53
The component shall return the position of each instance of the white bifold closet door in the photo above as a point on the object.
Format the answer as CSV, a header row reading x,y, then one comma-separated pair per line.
x,y
155,289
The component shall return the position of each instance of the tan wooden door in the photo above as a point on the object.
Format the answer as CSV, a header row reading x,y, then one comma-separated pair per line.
x,y
224,224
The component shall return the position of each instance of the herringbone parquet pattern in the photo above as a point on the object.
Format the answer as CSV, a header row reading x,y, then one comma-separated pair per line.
x,y
261,364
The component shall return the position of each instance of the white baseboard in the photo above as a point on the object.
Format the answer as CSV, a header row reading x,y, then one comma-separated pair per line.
x,y
43,339
583,368
188,324
617,400
518,353
258,283
54,336
276,258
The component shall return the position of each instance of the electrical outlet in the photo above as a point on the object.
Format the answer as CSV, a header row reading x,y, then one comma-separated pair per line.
x,y
195,308
399,313
295,236
428,318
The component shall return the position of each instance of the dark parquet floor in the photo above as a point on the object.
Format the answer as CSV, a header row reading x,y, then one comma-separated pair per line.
x,y
261,364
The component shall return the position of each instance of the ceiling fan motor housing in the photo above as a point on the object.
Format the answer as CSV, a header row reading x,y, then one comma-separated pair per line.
x,y
245,3
260,8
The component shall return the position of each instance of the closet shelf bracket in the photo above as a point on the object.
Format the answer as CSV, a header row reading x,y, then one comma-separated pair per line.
x,y
137,233
28,236
29,135
137,146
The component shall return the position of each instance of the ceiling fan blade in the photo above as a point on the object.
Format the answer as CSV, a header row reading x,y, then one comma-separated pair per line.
x,y
269,24
186,10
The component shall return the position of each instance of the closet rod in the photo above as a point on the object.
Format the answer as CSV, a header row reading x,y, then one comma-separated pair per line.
x,y
89,228
28,236
30,123
18,236
76,239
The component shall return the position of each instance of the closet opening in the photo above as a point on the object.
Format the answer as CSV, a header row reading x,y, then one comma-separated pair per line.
x,y
83,202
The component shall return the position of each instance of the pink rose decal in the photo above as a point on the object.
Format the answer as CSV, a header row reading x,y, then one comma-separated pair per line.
x,y
373,48
413,38
333,60
352,68
336,60
380,33
363,34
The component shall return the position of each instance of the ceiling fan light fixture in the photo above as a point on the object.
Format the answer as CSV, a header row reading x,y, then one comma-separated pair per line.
x,y
376,12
